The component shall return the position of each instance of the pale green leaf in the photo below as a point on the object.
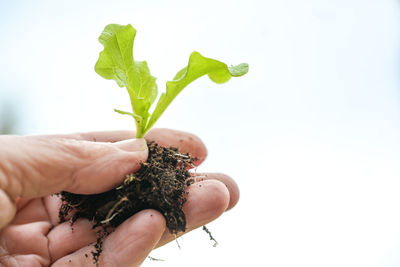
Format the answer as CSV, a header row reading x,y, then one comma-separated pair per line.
x,y
116,62
116,59
198,66
127,113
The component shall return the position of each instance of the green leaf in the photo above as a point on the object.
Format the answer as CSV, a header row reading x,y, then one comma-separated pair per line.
x,y
116,59
198,66
116,62
126,113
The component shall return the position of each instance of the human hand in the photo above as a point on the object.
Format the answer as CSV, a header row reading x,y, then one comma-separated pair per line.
x,y
34,167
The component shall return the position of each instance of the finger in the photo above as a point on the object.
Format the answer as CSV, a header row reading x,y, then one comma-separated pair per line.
x,y
7,208
53,204
128,245
232,186
24,260
22,202
99,136
33,236
33,211
185,142
65,239
206,201
39,166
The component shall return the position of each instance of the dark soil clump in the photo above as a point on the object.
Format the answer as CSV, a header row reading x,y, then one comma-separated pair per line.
x,y
160,184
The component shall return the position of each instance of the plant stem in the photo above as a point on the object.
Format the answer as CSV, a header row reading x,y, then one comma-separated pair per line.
x,y
139,133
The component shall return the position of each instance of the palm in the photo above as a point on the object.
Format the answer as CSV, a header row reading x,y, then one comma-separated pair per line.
x,y
36,238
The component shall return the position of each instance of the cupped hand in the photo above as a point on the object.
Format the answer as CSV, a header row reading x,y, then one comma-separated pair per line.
x,y
35,167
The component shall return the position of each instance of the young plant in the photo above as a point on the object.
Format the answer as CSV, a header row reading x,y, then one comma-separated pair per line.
x,y
162,181
116,62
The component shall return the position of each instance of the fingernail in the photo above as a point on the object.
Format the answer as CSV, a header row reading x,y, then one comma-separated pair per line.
x,y
132,145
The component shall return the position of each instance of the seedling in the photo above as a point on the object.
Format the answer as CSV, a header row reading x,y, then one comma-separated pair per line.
x,y
161,182
116,62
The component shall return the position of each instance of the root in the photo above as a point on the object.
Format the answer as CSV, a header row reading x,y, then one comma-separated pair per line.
x,y
210,235
154,259
111,214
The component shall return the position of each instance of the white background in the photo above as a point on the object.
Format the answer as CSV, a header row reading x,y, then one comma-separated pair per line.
x,y
311,134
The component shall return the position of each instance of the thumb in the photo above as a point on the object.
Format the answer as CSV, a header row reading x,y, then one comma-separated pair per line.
x,y
37,166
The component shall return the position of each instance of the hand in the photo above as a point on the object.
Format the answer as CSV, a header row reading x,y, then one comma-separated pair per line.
x,y
34,167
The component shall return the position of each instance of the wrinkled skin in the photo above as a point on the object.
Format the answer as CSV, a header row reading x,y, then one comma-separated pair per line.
x,y
32,168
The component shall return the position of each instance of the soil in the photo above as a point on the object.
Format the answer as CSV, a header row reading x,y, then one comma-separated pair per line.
x,y
160,184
